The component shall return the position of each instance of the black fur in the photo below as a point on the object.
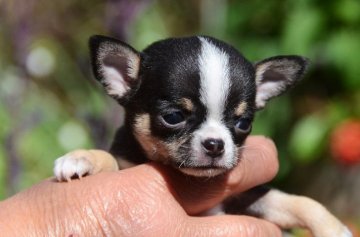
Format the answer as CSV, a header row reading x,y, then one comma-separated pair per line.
x,y
168,72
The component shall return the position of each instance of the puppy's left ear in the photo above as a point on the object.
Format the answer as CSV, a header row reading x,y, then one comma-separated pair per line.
x,y
277,74
115,65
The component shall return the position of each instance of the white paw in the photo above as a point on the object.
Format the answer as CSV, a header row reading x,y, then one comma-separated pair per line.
x,y
342,231
72,165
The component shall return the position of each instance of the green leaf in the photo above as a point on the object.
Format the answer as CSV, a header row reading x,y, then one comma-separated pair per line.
x,y
342,50
301,30
348,11
308,138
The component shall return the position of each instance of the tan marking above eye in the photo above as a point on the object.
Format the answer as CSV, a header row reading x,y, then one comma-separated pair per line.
x,y
187,104
240,109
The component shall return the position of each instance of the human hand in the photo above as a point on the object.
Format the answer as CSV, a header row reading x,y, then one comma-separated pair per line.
x,y
147,200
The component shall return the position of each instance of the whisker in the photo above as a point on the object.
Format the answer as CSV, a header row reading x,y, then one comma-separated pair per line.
x,y
182,163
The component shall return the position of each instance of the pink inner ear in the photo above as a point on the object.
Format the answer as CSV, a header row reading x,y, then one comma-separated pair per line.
x,y
275,75
266,91
119,70
118,63
270,82
114,82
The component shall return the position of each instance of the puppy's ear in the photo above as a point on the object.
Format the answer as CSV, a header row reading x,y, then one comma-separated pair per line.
x,y
277,74
115,64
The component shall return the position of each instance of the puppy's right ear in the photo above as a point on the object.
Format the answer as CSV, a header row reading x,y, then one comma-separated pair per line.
x,y
115,65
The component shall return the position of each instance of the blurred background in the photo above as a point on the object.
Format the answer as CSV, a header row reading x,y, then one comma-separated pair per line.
x,y
50,104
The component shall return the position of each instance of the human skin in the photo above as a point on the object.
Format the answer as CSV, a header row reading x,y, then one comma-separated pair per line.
x,y
147,200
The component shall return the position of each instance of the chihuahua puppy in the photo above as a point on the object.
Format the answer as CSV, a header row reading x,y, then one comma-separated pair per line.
x,y
190,103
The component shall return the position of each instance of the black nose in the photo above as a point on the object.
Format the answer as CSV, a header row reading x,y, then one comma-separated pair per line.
x,y
213,147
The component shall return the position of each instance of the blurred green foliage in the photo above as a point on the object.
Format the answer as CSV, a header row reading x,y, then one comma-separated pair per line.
x,y
49,105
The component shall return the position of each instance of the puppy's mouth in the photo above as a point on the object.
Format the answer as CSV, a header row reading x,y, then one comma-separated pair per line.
x,y
203,171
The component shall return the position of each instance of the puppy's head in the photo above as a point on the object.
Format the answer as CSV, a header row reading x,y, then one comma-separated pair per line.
x,y
191,101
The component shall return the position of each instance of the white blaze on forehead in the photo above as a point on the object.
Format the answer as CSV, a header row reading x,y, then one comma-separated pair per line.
x,y
215,84
214,78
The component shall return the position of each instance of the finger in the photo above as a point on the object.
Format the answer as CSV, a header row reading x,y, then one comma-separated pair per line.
x,y
109,193
228,225
258,164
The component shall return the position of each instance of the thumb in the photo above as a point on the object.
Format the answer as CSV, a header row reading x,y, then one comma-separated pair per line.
x,y
229,225
258,165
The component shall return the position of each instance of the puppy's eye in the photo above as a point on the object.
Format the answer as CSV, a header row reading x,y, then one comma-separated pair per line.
x,y
243,125
173,119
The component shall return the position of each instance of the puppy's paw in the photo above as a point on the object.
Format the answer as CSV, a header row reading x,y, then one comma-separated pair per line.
x,y
346,233
332,231
75,164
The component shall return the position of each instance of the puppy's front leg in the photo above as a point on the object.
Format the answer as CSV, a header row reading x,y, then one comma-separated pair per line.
x,y
289,211
80,163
